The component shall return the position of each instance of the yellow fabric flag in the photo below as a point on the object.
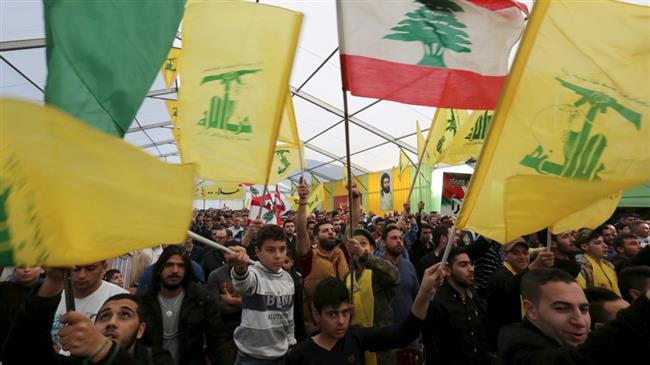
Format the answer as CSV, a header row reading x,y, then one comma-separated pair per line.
x,y
316,197
571,132
286,160
170,66
403,162
236,62
423,152
468,142
288,129
70,194
444,129
172,108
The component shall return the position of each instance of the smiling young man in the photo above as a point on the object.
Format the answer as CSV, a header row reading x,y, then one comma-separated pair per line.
x,y
338,343
556,327
596,271
267,326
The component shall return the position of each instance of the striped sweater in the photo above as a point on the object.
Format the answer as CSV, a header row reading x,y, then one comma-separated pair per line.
x,y
267,327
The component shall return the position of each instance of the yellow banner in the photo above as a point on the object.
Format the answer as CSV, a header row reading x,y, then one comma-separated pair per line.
x,y
288,129
316,197
234,86
286,160
172,109
70,194
170,66
469,140
423,151
219,191
444,130
572,128
403,162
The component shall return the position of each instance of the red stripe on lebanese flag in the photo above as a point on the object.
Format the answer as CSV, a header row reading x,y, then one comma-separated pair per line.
x,y
412,84
500,4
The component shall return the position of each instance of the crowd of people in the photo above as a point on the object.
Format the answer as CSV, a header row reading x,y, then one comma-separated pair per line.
x,y
339,288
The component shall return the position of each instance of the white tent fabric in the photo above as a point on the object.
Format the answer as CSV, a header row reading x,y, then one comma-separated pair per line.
x,y
377,129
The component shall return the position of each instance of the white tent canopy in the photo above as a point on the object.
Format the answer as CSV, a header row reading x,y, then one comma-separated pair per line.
x,y
378,128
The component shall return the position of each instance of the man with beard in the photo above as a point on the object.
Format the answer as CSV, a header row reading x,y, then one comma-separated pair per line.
x,y
454,332
564,248
112,339
323,261
504,305
386,198
181,316
408,281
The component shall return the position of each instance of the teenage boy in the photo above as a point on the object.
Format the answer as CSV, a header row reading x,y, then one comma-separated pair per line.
x,y
267,327
338,344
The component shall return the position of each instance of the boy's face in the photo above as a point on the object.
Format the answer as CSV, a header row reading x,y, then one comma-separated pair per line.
x,y
288,263
334,321
272,254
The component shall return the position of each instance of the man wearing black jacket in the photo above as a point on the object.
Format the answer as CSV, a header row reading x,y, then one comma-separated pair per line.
x,y
114,338
556,327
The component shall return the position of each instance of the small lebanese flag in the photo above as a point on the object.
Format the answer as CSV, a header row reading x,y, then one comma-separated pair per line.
x,y
450,54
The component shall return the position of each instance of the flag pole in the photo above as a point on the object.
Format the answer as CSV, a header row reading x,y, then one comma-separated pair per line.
x,y
349,169
450,242
259,213
548,239
211,243
420,158
67,287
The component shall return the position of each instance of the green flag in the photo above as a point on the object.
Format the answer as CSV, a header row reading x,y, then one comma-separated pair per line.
x,y
103,56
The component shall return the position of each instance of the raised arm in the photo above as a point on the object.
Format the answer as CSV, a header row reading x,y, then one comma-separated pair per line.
x,y
303,242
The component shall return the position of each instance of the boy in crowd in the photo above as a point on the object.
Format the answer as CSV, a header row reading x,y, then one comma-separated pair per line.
x,y
267,325
338,344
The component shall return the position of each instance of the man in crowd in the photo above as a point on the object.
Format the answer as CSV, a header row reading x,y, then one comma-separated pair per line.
x,y
325,260
195,252
454,332
437,239
181,316
289,226
627,246
213,258
564,248
131,265
503,295
604,304
641,230
237,228
634,281
113,339
556,327
596,271
90,292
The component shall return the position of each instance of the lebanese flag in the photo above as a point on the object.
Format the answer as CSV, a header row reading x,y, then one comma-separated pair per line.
x,y
450,54
265,204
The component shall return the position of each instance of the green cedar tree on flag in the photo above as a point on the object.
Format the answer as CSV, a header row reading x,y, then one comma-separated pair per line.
x,y
103,56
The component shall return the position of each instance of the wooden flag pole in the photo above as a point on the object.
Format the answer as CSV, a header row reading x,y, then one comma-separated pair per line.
x,y
266,186
548,239
349,169
424,151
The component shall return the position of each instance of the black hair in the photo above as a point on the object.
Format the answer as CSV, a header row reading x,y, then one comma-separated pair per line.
x,y
317,225
109,274
127,296
619,240
453,252
633,277
330,291
387,229
533,280
597,297
158,267
269,232
288,220
438,232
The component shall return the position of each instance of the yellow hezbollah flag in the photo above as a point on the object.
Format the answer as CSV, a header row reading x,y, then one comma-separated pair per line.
x,y
172,108
288,129
286,160
423,153
444,129
70,194
170,66
572,129
236,62
403,162
316,197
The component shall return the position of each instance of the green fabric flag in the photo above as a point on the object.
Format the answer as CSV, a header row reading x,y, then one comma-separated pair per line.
x,y
103,56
